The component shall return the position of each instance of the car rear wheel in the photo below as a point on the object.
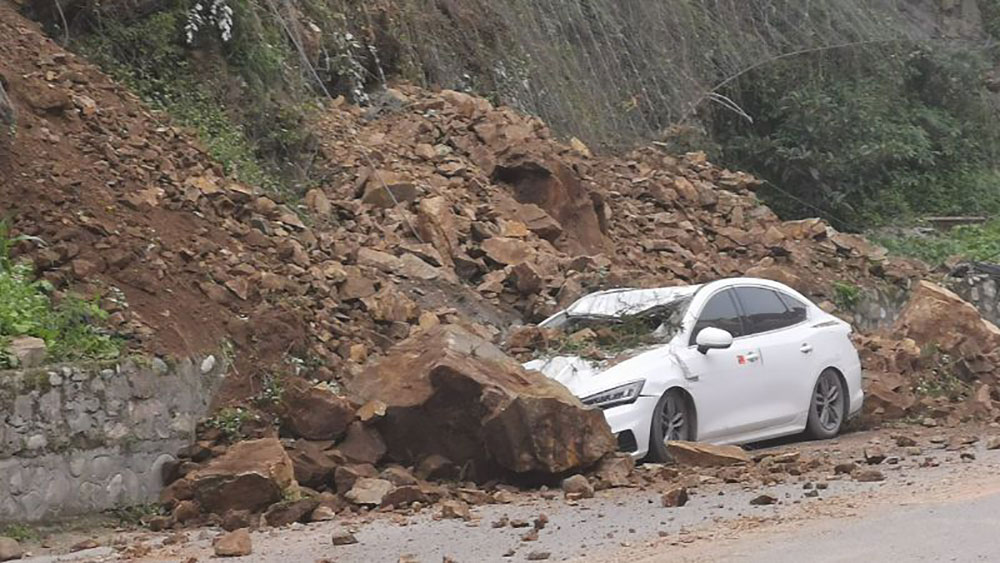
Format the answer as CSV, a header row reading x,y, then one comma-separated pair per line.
x,y
672,420
826,407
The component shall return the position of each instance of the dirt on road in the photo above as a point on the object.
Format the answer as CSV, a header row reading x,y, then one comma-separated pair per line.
x,y
944,472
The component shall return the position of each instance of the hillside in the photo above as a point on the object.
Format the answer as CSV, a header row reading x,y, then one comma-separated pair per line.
x,y
497,222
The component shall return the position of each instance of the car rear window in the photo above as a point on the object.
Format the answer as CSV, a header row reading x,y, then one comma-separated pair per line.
x,y
797,308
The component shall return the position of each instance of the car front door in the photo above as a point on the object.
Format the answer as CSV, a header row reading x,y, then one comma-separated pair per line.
x,y
780,333
720,379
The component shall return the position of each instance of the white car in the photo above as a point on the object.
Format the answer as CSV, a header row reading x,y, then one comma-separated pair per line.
x,y
732,361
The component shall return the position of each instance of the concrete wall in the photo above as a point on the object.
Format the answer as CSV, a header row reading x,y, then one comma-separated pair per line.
x,y
980,289
81,439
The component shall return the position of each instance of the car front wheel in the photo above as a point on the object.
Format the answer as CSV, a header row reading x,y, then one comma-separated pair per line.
x,y
826,408
672,420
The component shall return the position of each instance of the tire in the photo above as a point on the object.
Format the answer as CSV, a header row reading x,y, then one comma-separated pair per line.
x,y
826,406
674,406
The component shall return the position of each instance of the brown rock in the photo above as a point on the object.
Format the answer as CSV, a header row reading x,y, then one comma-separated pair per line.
x,y
10,549
844,468
868,475
313,467
436,226
235,519
706,455
186,510
436,467
936,316
874,455
343,537
314,413
577,487
367,490
363,444
285,513
372,410
84,545
455,509
404,496
385,189
448,382
614,470
398,476
764,499
346,475
527,279
317,202
251,475
538,556
993,443
233,544
322,513
675,497
507,251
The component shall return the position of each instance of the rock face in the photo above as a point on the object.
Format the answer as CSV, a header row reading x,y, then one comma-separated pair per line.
x,y
251,475
449,382
706,455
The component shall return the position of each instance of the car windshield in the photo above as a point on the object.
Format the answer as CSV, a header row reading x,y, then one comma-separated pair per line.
x,y
605,324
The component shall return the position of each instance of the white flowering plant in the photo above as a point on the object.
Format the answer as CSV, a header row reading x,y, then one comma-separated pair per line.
x,y
216,14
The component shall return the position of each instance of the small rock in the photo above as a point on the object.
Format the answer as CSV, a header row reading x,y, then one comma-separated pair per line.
x,y
993,443
905,441
844,468
322,513
869,476
674,497
541,521
27,351
455,509
577,487
84,544
967,456
811,493
874,456
234,544
763,499
538,555
10,549
367,490
929,422
531,535
343,537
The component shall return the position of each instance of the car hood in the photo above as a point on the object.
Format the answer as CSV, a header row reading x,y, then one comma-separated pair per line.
x,y
584,377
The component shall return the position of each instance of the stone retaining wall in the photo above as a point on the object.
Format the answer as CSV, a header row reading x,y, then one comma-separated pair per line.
x,y
81,439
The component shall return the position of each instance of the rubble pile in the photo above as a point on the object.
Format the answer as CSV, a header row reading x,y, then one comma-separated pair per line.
x,y
939,360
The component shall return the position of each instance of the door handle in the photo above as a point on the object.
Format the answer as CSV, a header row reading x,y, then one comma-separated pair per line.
x,y
805,348
751,357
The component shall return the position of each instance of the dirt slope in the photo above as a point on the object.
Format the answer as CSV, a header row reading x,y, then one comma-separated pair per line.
x,y
496,222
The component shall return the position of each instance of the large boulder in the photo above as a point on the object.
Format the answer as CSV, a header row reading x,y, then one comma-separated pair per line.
x,y
935,316
450,393
251,475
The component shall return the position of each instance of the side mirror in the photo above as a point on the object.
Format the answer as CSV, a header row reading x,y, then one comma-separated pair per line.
x,y
713,338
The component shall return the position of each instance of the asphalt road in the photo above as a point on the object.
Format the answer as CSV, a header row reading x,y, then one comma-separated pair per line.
x,y
966,528
949,512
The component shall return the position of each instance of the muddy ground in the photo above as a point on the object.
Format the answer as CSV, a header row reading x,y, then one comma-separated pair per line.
x,y
630,524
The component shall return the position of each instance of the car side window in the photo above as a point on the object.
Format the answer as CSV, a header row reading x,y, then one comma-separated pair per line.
x,y
797,308
764,310
719,312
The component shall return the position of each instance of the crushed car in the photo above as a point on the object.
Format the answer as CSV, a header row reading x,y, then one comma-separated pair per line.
x,y
732,361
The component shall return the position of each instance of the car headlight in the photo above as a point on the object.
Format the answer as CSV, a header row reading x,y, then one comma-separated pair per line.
x,y
621,395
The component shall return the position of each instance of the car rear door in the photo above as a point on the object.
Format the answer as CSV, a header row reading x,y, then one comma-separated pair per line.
x,y
720,379
776,326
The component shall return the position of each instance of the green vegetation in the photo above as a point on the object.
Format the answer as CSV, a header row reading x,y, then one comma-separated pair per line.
x,y
869,137
20,532
27,309
230,421
846,295
970,242
136,514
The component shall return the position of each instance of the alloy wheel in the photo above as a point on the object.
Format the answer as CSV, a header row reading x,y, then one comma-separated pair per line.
x,y
673,419
828,401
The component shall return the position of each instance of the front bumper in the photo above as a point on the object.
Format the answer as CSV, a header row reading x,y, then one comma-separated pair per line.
x,y
635,418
